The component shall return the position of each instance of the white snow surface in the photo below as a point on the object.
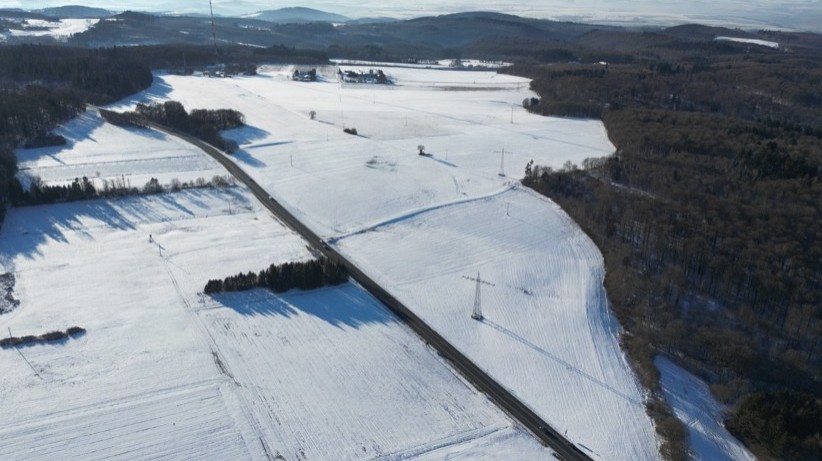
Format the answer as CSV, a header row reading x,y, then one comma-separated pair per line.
x,y
61,29
694,405
164,372
752,41
102,151
419,225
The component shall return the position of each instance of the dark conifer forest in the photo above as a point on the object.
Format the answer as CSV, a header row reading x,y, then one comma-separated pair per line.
x,y
708,216
200,123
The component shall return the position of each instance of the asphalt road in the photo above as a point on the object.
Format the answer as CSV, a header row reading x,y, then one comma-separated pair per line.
x,y
480,379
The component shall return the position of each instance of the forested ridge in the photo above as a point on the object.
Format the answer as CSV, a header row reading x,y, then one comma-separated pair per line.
x,y
708,217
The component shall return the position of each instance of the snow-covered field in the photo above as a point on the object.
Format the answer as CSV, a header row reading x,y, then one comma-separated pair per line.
x,y
165,372
421,224
340,183
101,151
694,405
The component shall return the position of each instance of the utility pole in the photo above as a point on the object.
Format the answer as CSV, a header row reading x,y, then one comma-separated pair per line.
x,y
512,114
477,314
501,162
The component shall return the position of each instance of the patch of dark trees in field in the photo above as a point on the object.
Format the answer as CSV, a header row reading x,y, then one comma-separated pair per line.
x,y
200,123
7,300
708,217
52,336
306,275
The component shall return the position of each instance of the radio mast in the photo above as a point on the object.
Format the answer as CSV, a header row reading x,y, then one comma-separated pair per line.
x,y
213,29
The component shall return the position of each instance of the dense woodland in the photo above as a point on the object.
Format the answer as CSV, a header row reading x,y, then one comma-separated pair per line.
x,y
306,275
708,216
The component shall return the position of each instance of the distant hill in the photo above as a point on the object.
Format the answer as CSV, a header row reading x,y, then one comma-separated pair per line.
x,y
374,20
76,11
479,35
17,13
294,15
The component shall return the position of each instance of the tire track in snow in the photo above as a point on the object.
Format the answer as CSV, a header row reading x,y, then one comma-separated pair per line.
x,y
421,211
219,362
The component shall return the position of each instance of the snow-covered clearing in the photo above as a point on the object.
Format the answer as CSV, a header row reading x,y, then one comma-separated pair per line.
x,y
61,29
99,150
751,41
338,183
694,405
421,224
348,383
142,382
165,372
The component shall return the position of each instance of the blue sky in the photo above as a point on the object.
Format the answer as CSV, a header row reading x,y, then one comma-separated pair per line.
x,y
796,14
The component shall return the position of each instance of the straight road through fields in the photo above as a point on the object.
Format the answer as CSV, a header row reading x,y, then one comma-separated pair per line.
x,y
481,380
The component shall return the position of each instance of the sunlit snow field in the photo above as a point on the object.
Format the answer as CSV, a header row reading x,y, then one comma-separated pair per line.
x,y
165,372
327,374
421,224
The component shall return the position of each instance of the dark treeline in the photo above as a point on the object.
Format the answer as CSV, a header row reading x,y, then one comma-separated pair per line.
x,y
708,218
200,123
191,57
85,189
98,76
306,275
57,335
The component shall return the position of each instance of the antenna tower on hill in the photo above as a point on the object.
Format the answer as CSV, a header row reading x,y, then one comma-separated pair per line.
x,y
213,29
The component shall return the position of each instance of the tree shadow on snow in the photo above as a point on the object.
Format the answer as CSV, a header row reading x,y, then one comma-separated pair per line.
x,y
75,130
27,229
245,135
346,305
248,159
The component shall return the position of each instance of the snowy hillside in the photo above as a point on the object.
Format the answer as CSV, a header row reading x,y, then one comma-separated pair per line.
x,y
59,30
422,224
164,372
101,151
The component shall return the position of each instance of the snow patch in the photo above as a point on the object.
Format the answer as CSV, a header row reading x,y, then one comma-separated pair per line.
x,y
694,405
751,41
